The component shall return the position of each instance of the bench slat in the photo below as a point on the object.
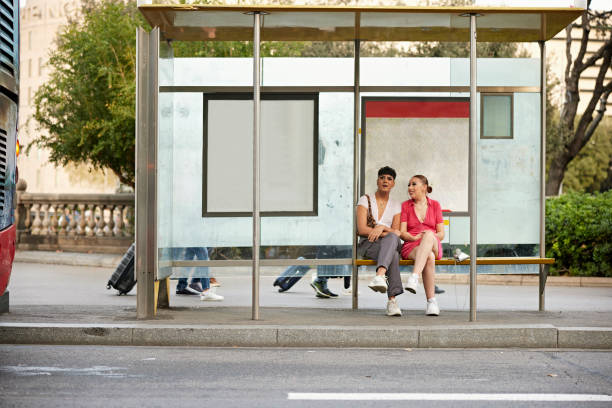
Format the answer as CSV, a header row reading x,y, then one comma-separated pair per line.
x,y
479,261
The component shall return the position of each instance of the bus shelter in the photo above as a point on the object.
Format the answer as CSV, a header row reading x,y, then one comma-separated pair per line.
x,y
254,196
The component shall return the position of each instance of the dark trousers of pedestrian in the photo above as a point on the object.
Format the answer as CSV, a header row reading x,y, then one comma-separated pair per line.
x,y
385,251
197,273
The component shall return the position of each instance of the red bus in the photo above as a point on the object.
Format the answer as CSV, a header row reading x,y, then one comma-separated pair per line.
x,y
9,146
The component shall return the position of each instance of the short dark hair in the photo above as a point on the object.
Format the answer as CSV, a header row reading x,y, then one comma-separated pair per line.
x,y
386,170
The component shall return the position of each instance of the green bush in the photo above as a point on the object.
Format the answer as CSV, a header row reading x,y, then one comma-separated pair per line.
x,y
579,233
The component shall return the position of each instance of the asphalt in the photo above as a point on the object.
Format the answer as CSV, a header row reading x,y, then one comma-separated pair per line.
x,y
60,298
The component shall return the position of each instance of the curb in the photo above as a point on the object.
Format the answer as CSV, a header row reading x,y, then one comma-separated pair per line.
x,y
482,336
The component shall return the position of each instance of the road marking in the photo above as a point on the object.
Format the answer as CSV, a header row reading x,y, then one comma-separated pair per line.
x,y
447,397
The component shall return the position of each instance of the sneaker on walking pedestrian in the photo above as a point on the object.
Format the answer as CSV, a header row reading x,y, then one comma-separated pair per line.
x,y
210,295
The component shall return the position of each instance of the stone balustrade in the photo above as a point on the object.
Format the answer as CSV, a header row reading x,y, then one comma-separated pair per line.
x,y
74,222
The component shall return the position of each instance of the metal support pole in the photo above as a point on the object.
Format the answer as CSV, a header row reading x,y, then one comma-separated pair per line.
x,y
256,122
147,51
473,159
356,167
543,268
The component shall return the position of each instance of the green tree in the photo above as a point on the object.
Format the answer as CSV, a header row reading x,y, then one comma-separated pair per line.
x,y
589,170
462,50
575,131
86,110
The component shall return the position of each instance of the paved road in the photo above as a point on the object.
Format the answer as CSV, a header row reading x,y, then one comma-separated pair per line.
x,y
44,284
60,376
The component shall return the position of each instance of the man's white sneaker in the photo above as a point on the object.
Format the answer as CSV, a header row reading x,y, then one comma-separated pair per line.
x,y
432,308
378,284
210,295
413,282
393,309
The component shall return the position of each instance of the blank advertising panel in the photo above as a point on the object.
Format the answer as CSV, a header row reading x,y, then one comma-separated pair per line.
x,y
423,135
288,167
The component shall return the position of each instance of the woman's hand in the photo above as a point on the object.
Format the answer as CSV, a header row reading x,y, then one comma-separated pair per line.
x,y
376,233
413,237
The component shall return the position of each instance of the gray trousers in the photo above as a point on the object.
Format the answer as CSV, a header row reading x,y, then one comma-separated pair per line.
x,y
385,251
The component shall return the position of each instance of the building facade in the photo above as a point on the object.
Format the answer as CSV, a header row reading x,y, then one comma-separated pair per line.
x,y
40,21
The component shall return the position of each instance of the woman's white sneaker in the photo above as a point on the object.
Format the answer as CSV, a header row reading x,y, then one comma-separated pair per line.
x,y
378,284
393,309
432,308
210,295
413,282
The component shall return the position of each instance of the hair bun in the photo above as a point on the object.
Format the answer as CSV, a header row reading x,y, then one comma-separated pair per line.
x,y
429,189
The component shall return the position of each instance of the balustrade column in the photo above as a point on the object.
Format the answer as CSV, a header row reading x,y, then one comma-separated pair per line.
x,y
62,223
81,231
72,225
118,225
44,230
99,229
108,226
37,223
52,219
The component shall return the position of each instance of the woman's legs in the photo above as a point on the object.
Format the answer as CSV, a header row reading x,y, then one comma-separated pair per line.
x,y
429,274
424,257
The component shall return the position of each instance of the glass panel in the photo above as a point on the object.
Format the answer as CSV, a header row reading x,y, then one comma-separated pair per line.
x,y
165,153
496,116
389,20
212,19
288,134
419,135
328,234
319,21
509,182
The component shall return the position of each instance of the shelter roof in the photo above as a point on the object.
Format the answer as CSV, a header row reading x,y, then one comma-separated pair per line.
x,y
341,23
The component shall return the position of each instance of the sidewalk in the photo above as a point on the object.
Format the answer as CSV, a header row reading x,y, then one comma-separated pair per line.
x,y
112,260
58,303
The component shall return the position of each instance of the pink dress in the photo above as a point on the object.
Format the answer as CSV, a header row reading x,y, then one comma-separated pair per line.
x,y
433,217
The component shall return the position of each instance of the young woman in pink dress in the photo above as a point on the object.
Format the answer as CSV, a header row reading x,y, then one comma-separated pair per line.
x,y
422,230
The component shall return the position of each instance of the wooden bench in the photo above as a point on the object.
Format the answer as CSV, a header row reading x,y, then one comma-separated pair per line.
x,y
479,261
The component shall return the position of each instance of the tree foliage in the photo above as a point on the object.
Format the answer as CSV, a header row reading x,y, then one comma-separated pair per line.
x,y
573,132
87,108
588,172
462,50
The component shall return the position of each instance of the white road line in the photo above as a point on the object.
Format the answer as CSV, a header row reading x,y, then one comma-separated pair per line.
x,y
447,397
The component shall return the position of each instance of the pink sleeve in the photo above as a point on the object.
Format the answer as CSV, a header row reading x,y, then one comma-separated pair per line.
x,y
438,209
404,216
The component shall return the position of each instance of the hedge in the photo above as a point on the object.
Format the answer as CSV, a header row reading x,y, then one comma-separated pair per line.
x,y
579,233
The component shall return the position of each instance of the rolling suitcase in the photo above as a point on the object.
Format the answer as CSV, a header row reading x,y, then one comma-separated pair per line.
x,y
123,278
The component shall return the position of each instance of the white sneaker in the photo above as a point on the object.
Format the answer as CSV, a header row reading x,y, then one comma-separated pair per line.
x,y
393,309
379,284
349,291
210,295
432,308
413,282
